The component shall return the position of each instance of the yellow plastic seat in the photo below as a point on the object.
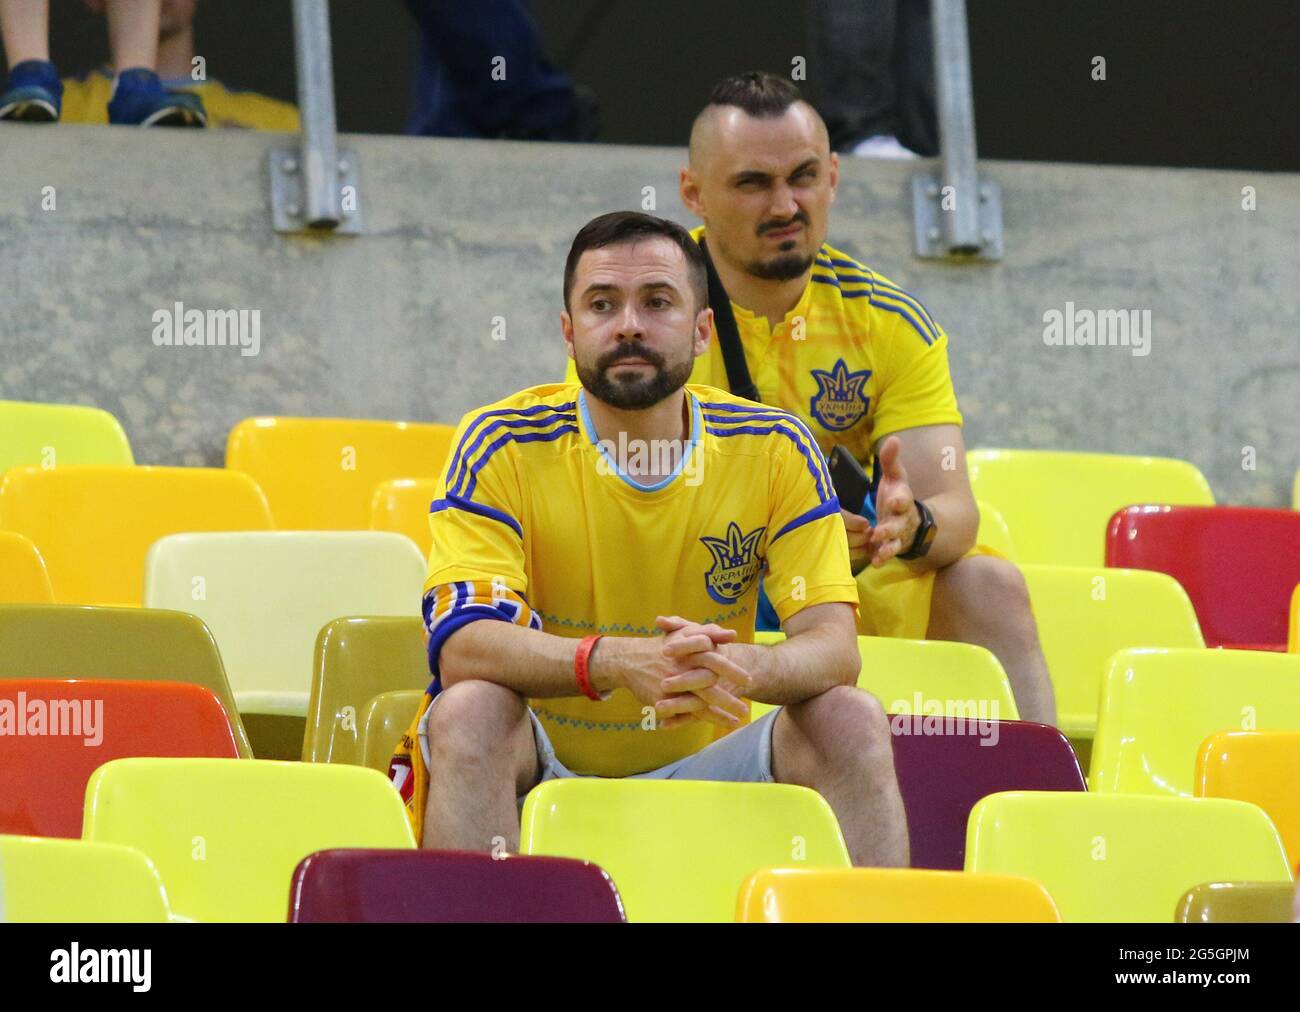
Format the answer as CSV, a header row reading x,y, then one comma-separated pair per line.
x,y
1084,615
226,835
119,644
402,506
23,578
1158,706
51,436
1293,636
1237,903
1295,492
267,595
93,525
890,895
926,676
993,531
1058,505
355,660
1121,857
46,880
1262,767
382,723
680,850
321,473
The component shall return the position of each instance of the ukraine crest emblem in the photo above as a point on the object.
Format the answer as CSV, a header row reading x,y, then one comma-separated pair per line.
x,y
736,564
840,401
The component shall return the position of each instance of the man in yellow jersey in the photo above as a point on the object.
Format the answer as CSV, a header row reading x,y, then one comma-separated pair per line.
x,y
863,364
597,549
85,98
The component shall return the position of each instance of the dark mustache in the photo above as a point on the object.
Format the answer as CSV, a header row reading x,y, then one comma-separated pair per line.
x,y
775,226
631,351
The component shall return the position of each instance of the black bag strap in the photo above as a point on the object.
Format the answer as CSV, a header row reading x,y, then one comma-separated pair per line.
x,y
733,352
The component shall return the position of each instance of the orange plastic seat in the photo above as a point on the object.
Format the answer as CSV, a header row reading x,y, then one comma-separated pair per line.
x,y
55,734
1262,767
402,506
23,579
94,525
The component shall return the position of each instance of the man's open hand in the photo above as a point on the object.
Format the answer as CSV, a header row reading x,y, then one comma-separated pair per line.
x,y
897,519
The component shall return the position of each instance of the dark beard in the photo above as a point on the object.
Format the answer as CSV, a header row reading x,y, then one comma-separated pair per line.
x,y
783,267
633,394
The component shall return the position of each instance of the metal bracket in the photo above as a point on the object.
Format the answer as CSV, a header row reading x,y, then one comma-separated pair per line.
x,y
288,206
933,207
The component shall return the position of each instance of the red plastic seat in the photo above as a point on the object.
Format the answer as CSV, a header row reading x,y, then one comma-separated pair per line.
x,y
1239,565
449,886
43,784
942,775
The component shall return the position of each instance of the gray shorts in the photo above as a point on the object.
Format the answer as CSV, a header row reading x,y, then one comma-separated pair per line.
x,y
743,756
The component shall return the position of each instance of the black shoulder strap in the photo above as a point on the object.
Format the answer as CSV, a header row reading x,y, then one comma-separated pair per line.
x,y
733,352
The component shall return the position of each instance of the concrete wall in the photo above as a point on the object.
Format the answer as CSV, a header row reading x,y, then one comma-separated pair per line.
x,y
398,323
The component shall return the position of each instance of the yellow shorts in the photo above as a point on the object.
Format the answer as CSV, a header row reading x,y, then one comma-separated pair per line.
x,y
894,600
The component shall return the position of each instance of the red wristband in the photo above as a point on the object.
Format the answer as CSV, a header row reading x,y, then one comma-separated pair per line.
x,y
580,661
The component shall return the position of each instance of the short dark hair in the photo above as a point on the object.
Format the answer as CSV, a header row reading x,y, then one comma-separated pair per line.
x,y
627,226
757,93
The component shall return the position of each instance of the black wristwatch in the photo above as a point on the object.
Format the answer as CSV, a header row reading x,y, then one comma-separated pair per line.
x,y
924,534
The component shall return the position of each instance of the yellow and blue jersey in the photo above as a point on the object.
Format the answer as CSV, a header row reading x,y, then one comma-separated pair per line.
x,y
534,523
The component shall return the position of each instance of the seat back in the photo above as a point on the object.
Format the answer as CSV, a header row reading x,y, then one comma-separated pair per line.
x,y
1084,615
115,644
679,850
75,882
356,659
1115,857
1237,903
1158,706
945,767
449,887
1293,637
993,531
62,731
890,895
1238,565
94,525
55,435
1262,767
1057,504
321,473
226,836
267,595
382,723
402,506
23,577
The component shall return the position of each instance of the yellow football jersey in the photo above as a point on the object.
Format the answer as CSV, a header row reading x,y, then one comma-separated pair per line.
x,y
534,523
85,100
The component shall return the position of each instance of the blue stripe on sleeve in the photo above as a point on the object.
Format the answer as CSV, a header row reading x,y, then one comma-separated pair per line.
x,y
457,503
826,509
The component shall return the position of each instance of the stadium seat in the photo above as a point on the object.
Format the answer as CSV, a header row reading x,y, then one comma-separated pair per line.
x,y
1237,903
1109,857
942,775
1239,565
321,473
402,506
267,595
357,659
679,850
449,887
1084,615
1057,505
74,882
23,578
1158,706
993,531
93,525
51,436
226,836
890,895
85,723
1293,637
926,676
382,722
1262,767
116,644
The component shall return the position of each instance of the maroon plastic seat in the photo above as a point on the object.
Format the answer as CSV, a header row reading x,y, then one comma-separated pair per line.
x,y
942,776
1239,565
449,886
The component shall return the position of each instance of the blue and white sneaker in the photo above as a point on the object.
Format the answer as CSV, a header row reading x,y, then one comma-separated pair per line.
x,y
33,93
139,99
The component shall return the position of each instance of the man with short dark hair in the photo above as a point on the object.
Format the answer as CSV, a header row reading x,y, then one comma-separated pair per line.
x,y
863,364
594,575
